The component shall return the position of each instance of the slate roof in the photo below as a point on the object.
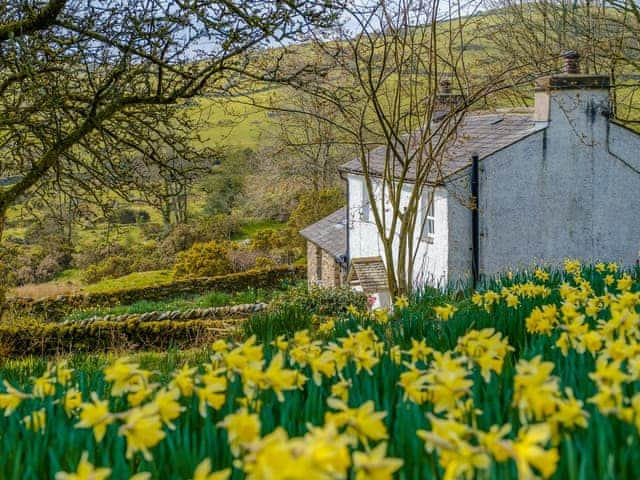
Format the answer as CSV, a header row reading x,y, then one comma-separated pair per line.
x,y
370,273
478,133
330,233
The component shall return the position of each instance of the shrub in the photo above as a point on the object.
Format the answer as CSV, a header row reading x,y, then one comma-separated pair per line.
x,y
50,339
152,230
51,265
128,216
314,205
94,253
203,260
180,238
223,192
282,245
114,266
218,227
243,258
323,301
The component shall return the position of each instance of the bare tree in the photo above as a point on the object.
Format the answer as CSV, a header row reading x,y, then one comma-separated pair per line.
x,y
302,147
380,77
606,33
77,77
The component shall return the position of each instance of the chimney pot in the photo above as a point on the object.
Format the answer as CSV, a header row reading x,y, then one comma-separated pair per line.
x,y
571,62
445,86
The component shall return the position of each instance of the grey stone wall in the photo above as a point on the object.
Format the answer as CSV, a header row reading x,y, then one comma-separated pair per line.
x,y
330,269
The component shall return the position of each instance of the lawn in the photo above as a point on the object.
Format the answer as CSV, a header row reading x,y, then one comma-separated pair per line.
x,y
535,375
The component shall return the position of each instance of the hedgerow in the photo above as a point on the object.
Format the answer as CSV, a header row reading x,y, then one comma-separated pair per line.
x,y
49,339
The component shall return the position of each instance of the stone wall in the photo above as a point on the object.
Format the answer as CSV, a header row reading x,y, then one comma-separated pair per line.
x,y
54,307
330,275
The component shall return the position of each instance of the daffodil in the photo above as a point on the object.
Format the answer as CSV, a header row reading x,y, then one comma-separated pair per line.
x,y
183,380
168,407
36,421
401,302
529,451
375,465
11,400
142,429
445,312
71,401
125,375
362,423
85,471
203,472
243,428
95,415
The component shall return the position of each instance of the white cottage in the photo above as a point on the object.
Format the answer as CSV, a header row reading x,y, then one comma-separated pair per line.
x,y
562,180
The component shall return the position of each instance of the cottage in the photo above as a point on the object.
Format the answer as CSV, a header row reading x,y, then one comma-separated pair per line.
x,y
561,180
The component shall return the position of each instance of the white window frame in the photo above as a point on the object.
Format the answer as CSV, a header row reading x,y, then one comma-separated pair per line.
x,y
428,216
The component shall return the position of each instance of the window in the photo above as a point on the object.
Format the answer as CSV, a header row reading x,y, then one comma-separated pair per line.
x,y
365,212
428,225
318,265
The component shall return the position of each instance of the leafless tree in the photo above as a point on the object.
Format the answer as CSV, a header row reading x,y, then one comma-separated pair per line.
x,y
380,77
78,77
606,33
302,147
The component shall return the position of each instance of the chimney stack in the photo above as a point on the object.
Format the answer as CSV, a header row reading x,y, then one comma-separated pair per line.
x,y
446,101
571,91
571,62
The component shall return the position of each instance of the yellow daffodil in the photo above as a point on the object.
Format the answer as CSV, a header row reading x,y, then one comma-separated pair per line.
x,y
445,312
85,471
11,400
375,465
203,472
71,401
183,380
242,428
36,421
95,415
142,429
168,407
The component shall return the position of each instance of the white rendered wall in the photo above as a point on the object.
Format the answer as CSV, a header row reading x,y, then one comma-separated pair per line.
x,y
560,193
364,241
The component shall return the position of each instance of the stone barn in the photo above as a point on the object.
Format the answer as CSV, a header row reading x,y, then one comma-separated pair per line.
x,y
326,250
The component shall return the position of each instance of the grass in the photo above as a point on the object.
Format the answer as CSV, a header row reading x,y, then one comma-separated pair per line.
x,y
133,280
47,289
251,227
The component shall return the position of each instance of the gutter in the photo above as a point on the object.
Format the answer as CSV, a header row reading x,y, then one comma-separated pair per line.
x,y
347,259
475,221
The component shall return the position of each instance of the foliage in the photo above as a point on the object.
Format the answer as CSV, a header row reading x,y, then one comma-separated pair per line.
x,y
281,245
315,205
224,187
128,100
110,267
128,216
49,339
131,281
203,260
322,301
533,376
